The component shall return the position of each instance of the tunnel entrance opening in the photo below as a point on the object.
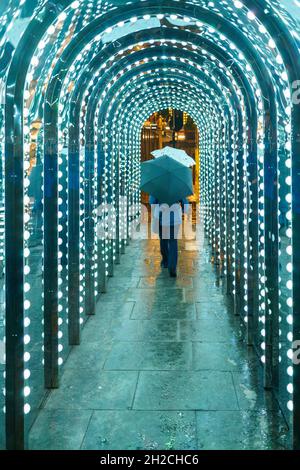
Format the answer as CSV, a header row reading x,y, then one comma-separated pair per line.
x,y
173,128
77,82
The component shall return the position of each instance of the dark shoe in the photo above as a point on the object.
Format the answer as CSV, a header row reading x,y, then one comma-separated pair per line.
x,y
173,273
163,264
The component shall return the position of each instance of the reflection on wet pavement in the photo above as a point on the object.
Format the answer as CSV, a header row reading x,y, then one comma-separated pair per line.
x,y
162,365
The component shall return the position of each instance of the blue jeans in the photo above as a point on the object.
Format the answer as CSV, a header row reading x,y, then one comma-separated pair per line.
x,y
169,246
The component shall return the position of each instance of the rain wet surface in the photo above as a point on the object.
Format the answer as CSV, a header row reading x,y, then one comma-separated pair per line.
x,y
162,365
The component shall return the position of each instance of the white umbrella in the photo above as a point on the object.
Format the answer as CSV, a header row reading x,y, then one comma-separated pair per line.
x,y
179,155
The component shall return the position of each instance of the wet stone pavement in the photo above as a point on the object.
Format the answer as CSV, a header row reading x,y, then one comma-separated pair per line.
x,y
162,365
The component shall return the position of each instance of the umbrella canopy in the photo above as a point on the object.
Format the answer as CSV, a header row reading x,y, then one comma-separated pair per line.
x,y
179,155
166,179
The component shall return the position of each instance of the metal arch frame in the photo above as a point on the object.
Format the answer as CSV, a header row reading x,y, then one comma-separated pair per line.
x,y
136,130
234,58
15,435
290,53
103,85
182,107
48,237
258,6
270,164
123,80
132,109
158,102
73,271
187,55
169,74
50,218
94,100
166,78
145,54
146,111
252,167
221,55
186,108
136,101
108,71
134,104
148,66
295,199
74,130
16,166
150,81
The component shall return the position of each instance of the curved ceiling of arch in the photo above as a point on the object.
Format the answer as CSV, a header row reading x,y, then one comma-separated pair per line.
x,y
70,22
17,17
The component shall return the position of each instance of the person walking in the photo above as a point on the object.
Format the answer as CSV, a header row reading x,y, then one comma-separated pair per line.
x,y
167,221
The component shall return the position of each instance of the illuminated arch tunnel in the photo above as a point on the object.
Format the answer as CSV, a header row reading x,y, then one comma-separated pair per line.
x,y
78,80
